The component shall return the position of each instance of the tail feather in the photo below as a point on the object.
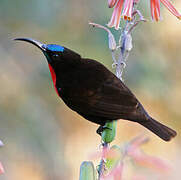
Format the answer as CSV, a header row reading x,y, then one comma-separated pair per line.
x,y
159,129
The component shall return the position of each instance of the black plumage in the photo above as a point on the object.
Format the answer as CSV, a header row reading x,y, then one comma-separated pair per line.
x,y
89,88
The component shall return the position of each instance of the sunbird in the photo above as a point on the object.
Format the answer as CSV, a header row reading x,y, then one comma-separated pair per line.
x,y
93,91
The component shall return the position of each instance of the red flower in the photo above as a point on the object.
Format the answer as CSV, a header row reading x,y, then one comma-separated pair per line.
x,y
115,19
124,8
155,9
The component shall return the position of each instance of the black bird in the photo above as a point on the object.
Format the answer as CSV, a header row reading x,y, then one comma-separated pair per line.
x,y
89,88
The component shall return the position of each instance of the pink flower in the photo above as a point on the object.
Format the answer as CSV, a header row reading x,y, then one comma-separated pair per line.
x,y
124,8
107,153
151,162
143,159
115,174
115,19
155,9
1,168
111,3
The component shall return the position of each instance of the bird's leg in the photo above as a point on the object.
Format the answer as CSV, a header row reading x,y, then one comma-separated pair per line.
x,y
101,128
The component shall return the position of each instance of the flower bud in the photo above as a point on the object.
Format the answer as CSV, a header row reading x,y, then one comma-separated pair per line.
x,y
111,39
128,42
112,42
87,171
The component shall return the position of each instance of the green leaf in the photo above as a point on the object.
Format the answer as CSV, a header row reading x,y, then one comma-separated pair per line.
x,y
87,171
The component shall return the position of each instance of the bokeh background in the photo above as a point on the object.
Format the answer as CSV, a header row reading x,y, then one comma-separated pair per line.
x,y
44,140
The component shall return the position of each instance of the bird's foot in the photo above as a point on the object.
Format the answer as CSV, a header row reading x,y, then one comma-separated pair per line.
x,y
101,129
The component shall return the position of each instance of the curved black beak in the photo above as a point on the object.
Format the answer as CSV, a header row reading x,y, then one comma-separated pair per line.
x,y
34,42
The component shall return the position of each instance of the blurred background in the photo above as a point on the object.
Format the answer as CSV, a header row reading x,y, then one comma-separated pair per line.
x,y
44,140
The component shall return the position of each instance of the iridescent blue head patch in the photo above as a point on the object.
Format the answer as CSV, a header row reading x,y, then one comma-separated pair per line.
x,y
54,47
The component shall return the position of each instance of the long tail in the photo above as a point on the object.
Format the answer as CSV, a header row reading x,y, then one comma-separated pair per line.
x,y
159,129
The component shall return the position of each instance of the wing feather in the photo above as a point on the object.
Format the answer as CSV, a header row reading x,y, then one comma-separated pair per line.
x,y
111,101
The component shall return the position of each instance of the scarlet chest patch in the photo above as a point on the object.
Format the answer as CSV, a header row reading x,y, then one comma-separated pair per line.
x,y
53,77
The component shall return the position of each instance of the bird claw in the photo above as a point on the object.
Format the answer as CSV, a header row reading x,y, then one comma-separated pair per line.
x,y
101,129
